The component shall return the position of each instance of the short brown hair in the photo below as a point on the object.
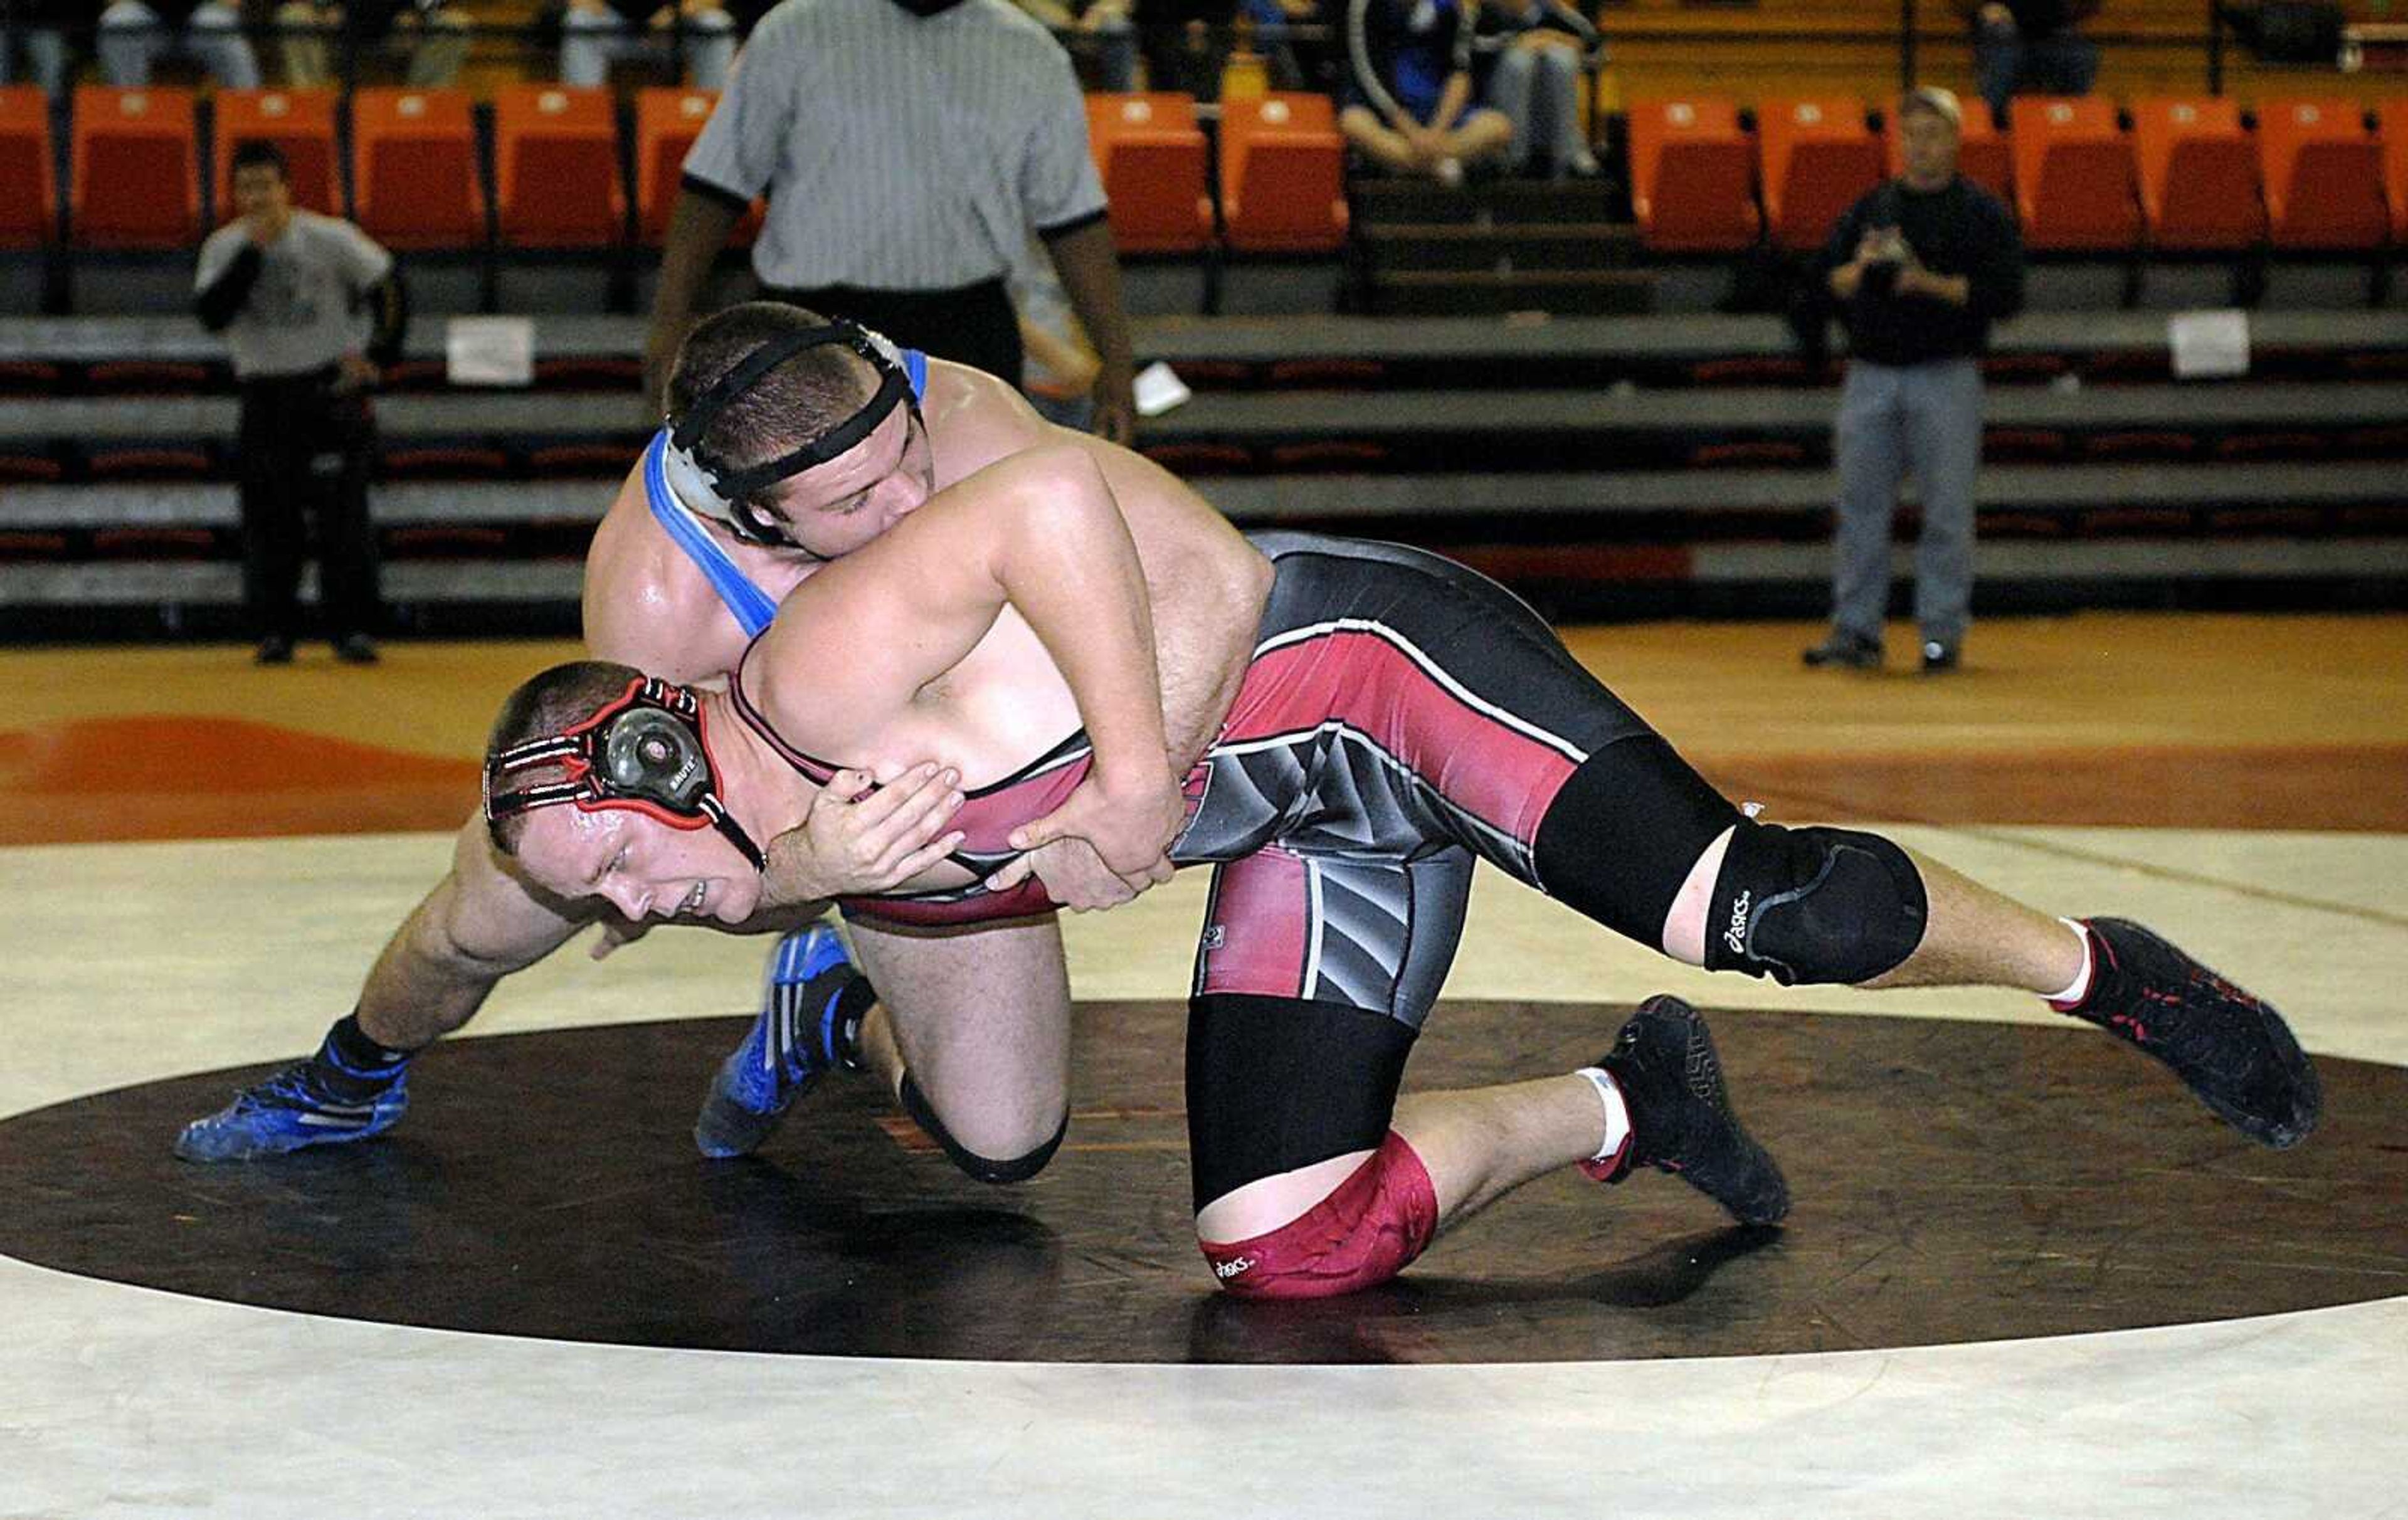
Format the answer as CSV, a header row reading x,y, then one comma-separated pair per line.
x,y
784,410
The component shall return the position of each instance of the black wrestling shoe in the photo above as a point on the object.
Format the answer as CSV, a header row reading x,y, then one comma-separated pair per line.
x,y
1680,1118
355,648
276,649
1847,650
1940,657
2233,1050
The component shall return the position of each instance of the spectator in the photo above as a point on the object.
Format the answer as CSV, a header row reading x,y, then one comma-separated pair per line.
x,y
594,34
1535,82
309,307
2031,47
40,27
434,33
1410,83
134,33
909,148
1921,265
1099,33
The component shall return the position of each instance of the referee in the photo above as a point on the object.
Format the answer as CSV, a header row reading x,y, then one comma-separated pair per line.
x,y
309,307
908,147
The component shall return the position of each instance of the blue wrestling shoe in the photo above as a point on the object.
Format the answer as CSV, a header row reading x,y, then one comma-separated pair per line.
x,y
812,1013
288,1111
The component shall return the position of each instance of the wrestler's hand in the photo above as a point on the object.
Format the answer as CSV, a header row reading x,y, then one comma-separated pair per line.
x,y
1131,824
859,839
1076,877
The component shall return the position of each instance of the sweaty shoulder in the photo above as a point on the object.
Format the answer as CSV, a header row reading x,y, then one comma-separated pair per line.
x,y
646,605
975,418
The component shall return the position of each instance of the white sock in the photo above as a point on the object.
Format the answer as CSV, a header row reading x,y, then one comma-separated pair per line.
x,y
2079,987
1618,1112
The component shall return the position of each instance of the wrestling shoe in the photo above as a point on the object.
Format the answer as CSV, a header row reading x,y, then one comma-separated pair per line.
x,y
289,1111
813,1005
1680,1118
2233,1050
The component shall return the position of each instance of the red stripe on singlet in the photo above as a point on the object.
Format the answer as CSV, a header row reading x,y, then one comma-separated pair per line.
x,y
1361,679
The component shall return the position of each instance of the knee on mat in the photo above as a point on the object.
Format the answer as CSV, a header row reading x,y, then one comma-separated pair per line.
x,y
1814,905
984,1168
1369,1228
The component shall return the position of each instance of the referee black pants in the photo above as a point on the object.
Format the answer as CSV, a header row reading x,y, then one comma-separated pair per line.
x,y
973,324
290,423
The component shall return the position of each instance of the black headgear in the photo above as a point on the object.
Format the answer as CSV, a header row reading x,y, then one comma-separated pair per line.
x,y
643,751
716,489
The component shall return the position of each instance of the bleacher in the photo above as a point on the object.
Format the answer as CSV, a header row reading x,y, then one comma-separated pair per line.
x,y
1530,376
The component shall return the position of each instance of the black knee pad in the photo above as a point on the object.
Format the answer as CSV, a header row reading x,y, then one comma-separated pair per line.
x,y
1816,905
1018,1168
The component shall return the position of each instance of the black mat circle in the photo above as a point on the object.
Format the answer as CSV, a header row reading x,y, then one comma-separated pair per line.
x,y
1954,1182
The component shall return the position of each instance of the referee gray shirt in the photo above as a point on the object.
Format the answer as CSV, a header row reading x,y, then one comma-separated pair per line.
x,y
900,152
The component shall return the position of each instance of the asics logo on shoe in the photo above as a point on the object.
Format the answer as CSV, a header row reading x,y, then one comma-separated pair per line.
x,y
1736,936
1227,1269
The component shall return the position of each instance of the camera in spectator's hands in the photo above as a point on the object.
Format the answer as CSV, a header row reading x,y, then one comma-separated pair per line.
x,y
1884,252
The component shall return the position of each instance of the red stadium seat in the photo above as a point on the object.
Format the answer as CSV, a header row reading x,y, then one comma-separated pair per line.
x,y
1983,154
2074,175
29,212
2199,175
414,179
556,167
2324,176
667,123
300,121
1282,174
1818,157
2391,130
1151,155
133,180
1692,176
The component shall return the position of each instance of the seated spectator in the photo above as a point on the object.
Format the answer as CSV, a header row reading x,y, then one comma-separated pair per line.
x,y
435,35
1101,37
135,33
1185,43
594,34
1410,85
1267,26
2029,47
40,28
1535,82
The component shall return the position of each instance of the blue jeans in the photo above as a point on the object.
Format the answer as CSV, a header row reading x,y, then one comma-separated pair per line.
x,y
2006,63
592,40
45,55
1894,418
132,39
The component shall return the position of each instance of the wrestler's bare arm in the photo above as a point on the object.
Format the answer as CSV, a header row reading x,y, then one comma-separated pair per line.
x,y
1206,583
479,925
1038,532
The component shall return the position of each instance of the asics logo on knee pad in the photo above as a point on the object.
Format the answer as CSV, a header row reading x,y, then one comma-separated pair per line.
x,y
1816,905
1736,936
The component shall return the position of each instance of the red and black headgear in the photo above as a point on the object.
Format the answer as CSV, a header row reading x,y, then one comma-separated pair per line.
x,y
643,751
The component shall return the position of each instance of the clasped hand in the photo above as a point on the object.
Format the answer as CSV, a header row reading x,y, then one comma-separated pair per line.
x,y
1103,845
861,838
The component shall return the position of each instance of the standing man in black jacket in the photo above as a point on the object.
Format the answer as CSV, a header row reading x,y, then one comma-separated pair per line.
x,y
310,308
1920,267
